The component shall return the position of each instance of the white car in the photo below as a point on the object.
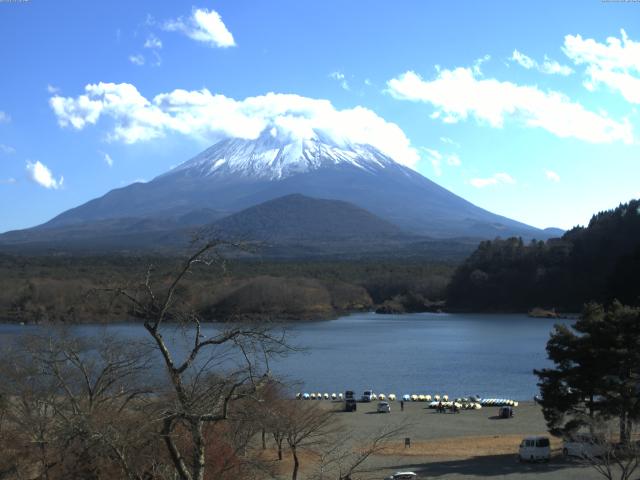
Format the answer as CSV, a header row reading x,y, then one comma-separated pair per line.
x,y
384,407
402,476
584,446
533,449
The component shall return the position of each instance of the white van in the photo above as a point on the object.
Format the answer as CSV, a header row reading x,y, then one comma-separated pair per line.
x,y
533,449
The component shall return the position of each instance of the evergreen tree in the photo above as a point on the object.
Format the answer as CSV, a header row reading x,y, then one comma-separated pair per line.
x,y
597,371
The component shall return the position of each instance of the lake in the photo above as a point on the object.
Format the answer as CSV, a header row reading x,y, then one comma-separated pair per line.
x,y
456,354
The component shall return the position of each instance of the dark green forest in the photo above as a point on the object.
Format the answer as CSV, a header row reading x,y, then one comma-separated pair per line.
x,y
600,262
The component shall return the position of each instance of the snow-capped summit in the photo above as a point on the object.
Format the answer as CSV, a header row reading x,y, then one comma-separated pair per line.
x,y
236,174
273,157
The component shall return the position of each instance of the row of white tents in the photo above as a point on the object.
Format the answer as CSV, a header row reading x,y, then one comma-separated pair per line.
x,y
458,404
498,402
340,396
471,403
424,398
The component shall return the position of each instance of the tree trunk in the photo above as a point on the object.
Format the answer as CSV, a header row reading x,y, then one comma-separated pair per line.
x,y
296,464
198,450
278,439
264,439
176,456
43,460
624,433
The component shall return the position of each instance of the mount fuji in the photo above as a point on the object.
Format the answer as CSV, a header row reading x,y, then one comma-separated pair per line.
x,y
236,174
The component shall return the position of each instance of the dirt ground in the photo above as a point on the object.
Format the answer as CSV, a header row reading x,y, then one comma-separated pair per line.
x,y
474,444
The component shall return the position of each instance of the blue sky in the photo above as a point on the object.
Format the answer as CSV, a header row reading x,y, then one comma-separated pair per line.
x,y
527,109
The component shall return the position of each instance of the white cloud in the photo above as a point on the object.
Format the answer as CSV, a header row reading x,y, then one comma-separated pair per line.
x,y
449,141
157,58
367,82
208,117
52,89
504,178
7,149
523,60
108,160
615,64
153,42
551,175
458,94
494,180
453,160
136,59
203,26
548,66
477,65
339,76
4,117
437,159
40,173
552,67
8,181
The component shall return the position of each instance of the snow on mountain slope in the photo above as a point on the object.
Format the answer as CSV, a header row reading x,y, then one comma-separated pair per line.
x,y
236,174
273,158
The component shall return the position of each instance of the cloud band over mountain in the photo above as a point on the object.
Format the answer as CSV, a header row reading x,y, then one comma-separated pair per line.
x,y
208,116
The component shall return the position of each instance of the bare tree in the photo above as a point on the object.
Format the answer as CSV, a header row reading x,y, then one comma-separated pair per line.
x,y
612,459
271,411
79,402
27,419
346,455
618,461
307,426
214,372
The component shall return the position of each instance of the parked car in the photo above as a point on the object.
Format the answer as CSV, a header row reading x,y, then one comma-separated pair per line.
x,y
505,412
367,395
402,476
384,407
584,445
533,449
350,405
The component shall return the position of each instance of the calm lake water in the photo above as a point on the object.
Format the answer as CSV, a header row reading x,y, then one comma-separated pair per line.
x,y
457,354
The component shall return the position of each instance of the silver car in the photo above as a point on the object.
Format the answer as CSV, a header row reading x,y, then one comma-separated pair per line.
x,y
584,446
402,476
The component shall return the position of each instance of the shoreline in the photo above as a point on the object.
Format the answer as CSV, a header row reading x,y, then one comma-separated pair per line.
x,y
289,318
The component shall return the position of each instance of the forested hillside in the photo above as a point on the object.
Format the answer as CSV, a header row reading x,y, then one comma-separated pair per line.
x,y
67,289
599,262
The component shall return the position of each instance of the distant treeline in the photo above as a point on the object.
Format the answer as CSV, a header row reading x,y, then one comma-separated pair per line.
x,y
76,288
598,263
